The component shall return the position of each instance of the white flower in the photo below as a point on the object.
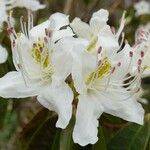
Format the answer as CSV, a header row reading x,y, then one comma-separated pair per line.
x,y
142,8
29,4
100,81
97,32
141,48
33,58
7,5
3,54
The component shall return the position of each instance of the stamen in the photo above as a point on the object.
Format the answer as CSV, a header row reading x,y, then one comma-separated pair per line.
x,y
113,30
46,31
99,62
122,40
50,33
121,25
119,64
19,66
13,43
142,54
21,23
130,54
139,62
99,50
45,40
25,29
30,20
113,70
10,29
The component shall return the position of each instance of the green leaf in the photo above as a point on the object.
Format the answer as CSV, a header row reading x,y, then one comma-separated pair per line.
x,y
131,137
66,142
101,144
40,132
56,142
9,126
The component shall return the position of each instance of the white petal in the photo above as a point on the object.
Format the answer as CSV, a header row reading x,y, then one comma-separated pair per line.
x,y
88,111
102,14
29,4
124,58
123,106
12,85
62,33
63,56
3,54
39,31
146,63
99,20
24,56
83,64
81,28
58,20
3,14
107,41
58,97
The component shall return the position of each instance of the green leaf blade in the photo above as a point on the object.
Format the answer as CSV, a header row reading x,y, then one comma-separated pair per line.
x,y
131,137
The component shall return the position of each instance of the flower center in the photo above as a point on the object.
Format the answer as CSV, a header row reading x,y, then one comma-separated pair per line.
x,y
40,53
102,70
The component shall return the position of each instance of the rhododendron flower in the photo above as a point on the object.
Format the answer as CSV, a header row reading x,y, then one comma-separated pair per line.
x,y
104,75
97,32
3,54
33,58
100,81
142,8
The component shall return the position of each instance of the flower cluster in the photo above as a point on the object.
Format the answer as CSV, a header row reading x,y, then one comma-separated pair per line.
x,y
79,68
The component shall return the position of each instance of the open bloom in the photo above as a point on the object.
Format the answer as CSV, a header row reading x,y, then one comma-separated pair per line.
x,y
7,5
101,82
102,89
3,54
33,58
142,8
98,32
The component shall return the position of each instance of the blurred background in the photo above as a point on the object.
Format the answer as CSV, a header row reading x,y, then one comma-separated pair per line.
x,y
25,124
